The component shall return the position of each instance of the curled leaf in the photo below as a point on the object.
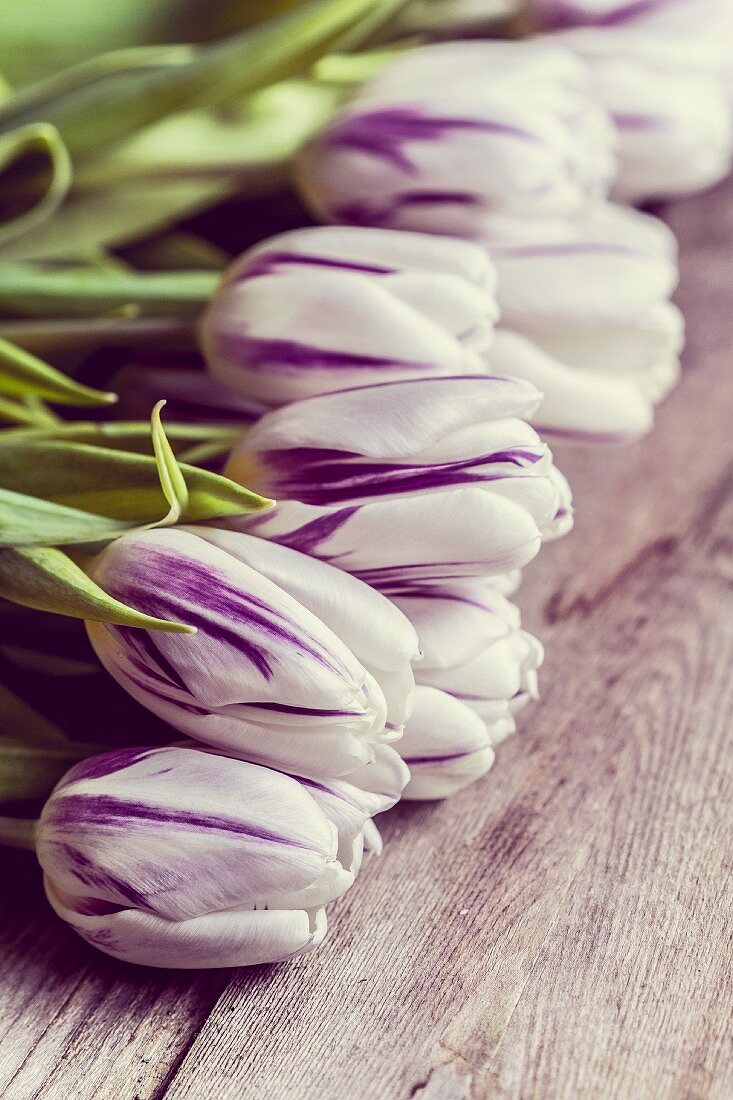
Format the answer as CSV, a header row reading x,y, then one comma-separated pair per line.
x,y
172,481
35,177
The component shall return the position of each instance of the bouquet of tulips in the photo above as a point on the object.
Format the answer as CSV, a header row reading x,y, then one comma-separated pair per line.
x,y
297,592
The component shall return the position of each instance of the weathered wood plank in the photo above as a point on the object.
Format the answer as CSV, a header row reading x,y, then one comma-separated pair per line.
x,y
559,929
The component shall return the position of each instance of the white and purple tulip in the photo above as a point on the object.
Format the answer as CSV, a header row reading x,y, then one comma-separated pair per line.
x,y
661,69
327,308
473,649
264,677
586,316
176,857
448,136
675,124
446,746
441,476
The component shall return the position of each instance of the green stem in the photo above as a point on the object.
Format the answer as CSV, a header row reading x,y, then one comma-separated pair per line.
x,y
18,832
32,769
31,291
40,336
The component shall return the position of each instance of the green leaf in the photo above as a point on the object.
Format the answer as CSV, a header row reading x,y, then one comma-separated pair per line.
x,y
101,106
25,412
185,163
27,520
128,435
35,177
172,481
22,373
27,771
47,579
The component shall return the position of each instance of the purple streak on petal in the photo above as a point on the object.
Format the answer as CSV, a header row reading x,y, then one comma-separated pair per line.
x,y
448,758
291,355
382,576
326,477
564,14
84,869
284,708
641,122
107,763
268,263
309,537
382,133
431,380
93,907
358,213
417,590
81,813
178,587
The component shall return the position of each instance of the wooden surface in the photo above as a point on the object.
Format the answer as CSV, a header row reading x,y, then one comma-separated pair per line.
x,y
562,929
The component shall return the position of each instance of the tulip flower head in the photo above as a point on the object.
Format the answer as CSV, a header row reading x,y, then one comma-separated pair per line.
x,y
473,648
263,677
446,746
430,478
448,136
328,308
175,857
661,69
586,316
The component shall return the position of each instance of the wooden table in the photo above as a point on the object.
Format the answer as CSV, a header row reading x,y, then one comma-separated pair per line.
x,y
563,928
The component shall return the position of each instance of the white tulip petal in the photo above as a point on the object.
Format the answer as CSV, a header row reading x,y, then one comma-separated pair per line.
x,y
577,404
231,937
446,746
466,532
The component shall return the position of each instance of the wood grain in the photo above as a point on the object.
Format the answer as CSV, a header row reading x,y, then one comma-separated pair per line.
x,y
562,929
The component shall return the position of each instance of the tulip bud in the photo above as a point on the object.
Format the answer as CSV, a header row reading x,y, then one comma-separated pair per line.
x,y
263,676
175,857
448,136
660,70
376,469
473,649
445,745
675,126
329,308
586,316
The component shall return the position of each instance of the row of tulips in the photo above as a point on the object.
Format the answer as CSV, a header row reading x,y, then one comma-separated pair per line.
x,y
355,643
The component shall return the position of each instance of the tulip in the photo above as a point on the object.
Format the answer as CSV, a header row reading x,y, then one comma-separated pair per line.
x,y
661,70
174,857
446,746
402,439
586,316
264,677
675,126
473,649
333,307
367,477
449,136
